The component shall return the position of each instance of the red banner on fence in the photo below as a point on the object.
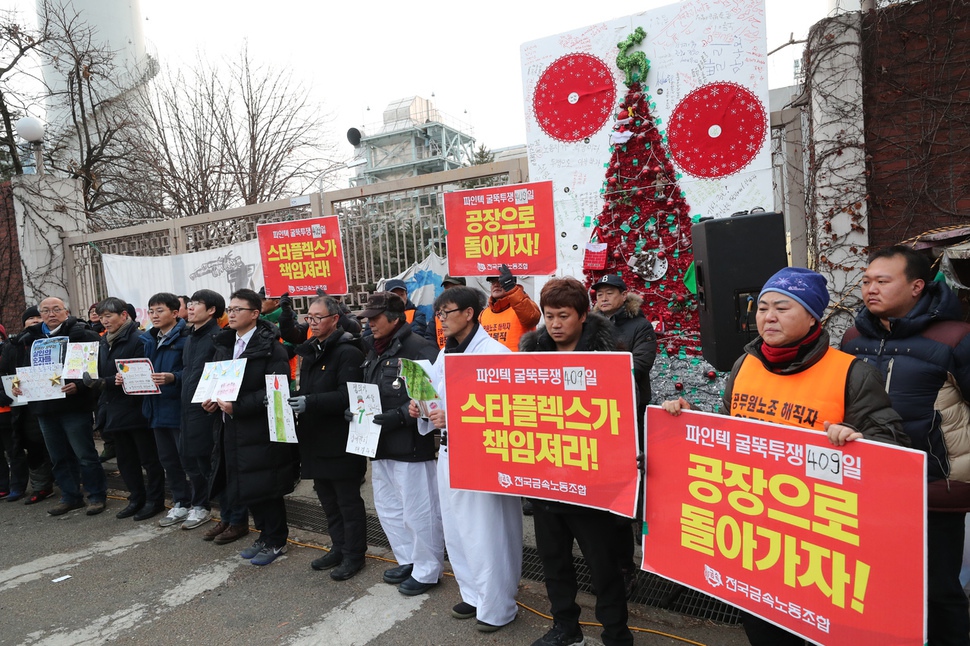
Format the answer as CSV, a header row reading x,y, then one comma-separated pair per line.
x,y
301,256
553,425
826,542
514,225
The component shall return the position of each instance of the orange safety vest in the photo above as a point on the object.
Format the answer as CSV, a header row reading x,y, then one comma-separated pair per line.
x,y
805,399
409,315
439,334
504,327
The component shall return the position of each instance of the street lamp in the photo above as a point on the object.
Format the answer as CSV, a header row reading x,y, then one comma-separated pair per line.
x,y
31,130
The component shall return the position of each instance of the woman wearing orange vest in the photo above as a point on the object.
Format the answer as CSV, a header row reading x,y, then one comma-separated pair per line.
x,y
789,375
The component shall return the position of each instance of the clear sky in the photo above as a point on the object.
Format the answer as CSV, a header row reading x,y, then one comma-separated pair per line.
x,y
367,54
351,56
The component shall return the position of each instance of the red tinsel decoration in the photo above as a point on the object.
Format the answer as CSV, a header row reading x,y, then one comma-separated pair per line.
x,y
645,211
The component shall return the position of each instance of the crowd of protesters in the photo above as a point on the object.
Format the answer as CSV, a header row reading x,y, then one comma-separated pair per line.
x,y
220,451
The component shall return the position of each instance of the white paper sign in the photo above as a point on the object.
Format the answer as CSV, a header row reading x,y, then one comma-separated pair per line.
x,y
365,402
40,383
220,380
824,463
282,425
136,376
8,389
81,358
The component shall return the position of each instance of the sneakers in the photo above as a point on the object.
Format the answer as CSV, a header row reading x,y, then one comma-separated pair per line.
x,y
252,550
399,574
412,587
62,507
176,514
331,559
464,611
559,637
268,554
346,570
232,533
95,507
197,516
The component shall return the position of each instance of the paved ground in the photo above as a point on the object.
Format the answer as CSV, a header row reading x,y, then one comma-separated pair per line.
x,y
136,583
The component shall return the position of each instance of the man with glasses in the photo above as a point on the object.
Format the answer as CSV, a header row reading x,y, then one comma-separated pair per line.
x,y
483,531
203,311
251,469
122,414
330,359
164,344
68,424
405,486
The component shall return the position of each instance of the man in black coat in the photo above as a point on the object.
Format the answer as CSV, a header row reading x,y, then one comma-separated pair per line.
x,y
570,328
404,473
330,359
67,424
252,470
122,414
203,310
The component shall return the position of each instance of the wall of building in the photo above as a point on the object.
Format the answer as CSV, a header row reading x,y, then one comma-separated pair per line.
x,y
11,281
917,114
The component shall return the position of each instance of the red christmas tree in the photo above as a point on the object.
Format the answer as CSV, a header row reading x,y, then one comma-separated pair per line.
x,y
645,223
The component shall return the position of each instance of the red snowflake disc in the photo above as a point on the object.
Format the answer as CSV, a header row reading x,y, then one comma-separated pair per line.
x,y
717,130
574,97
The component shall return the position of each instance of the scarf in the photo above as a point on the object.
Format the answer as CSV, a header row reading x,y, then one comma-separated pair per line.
x,y
381,345
111,336
787,353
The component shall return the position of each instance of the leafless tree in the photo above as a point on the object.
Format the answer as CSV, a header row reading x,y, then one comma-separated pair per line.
x,y
216,137
18,45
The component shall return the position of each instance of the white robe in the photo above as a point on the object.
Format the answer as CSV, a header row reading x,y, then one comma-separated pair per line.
x,y
483,531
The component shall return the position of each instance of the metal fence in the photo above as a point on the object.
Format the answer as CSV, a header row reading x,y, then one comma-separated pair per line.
x,y
385,228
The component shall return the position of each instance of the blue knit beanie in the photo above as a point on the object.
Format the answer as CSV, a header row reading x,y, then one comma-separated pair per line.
x,y
802,285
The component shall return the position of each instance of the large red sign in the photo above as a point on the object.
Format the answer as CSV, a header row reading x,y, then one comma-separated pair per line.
x,y
511,225
553,425
301,256
826,542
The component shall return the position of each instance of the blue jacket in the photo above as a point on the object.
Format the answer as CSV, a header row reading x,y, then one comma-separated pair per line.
x,y
925,360
165,409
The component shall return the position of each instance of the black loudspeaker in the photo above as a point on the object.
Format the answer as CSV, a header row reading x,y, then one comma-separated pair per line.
x,y
733,258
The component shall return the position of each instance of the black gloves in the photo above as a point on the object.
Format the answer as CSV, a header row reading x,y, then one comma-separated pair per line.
x,y
349,415
286,302
505,278
390,418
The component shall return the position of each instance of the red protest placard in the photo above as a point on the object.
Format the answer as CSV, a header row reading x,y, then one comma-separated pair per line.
x,y
826,542
553,425
301,256
513,225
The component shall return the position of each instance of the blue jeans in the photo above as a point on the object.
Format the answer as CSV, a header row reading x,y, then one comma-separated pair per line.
x,y
198,470
167,442
70,442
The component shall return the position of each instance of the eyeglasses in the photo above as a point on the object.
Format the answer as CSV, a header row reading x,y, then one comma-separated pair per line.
x,y
52,310
443,314
193,303
158,312
318,319
237,310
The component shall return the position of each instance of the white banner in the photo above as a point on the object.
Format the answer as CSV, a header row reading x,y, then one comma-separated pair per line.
x,y
136,279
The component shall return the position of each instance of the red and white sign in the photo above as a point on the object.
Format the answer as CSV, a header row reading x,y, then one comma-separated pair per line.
x,y
301,256
553,425
826,542
512,225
